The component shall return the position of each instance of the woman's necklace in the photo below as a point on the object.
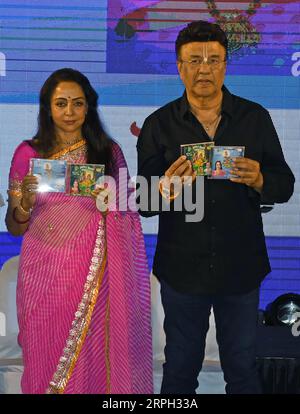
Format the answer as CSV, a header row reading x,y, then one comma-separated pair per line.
x,y
71,141
63,151
64,144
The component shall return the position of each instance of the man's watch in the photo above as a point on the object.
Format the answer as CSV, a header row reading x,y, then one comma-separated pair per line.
x,y
165,189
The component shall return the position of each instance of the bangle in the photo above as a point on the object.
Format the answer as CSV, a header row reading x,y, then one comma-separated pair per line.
x,y
22,209
17,220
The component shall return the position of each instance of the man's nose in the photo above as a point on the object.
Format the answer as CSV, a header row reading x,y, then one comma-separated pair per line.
x,y
203,68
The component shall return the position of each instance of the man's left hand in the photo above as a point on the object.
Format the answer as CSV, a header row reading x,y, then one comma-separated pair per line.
x,y
248,172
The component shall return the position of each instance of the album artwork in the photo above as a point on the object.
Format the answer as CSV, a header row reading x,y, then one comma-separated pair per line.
x,y
51,174
199,155
222,160
82,179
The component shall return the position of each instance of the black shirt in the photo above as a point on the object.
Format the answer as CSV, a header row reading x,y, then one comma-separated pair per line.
x,y
225,252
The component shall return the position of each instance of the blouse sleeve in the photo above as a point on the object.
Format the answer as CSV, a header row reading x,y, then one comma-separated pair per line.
x,y
20,166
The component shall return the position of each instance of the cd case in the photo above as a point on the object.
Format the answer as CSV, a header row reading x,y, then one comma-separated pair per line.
x,y
199,155
51,174
222,160
82,179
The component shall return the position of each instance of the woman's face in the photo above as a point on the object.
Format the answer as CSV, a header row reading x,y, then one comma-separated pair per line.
x,y
68,109
218,165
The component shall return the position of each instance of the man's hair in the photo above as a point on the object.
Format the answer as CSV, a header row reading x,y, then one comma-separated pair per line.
x,y
201,31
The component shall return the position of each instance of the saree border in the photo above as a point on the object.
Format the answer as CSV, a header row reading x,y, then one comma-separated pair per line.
x,y
66,151
83,316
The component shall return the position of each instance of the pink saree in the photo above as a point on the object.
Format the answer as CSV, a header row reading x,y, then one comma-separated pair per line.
x,y
83,294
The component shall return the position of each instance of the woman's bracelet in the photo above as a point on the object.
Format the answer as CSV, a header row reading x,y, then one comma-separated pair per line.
x,y
21,209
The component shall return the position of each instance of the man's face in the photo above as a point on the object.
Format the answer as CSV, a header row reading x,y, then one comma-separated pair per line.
x,y
202,80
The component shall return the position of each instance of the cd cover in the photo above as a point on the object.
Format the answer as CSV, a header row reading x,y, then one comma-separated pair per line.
x,y
222,160
51,174
199,155
82,179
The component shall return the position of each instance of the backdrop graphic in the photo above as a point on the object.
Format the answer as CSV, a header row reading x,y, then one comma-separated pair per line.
x,y
126,48
262,35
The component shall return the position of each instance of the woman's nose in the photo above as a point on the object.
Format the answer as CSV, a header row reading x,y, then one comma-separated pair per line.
x,y
69,108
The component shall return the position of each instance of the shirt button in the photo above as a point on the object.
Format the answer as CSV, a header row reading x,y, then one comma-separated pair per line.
x,y
211,266
213,201
213,254
213,228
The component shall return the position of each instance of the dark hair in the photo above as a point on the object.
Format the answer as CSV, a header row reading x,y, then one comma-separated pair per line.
x,y
219,163
200,31
99,145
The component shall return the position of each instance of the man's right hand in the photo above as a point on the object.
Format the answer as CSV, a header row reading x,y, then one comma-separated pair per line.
x,y
180,172
182,167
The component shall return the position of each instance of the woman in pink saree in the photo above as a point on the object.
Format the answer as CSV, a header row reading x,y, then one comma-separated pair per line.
x,y
83,293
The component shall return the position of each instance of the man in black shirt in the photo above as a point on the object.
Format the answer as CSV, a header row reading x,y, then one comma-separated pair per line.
x,y
220,261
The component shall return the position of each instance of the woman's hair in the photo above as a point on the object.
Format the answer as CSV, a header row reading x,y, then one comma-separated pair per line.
x,y
99,145
218,162
200,31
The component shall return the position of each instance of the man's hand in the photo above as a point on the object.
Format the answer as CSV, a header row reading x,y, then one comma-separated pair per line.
x,y
181,168
248,172
180,172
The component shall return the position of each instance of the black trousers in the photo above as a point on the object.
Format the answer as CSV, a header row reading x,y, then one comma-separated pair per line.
x,y
186,324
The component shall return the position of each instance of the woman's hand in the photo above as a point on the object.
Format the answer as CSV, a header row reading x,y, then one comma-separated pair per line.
x,y
29,188
101,195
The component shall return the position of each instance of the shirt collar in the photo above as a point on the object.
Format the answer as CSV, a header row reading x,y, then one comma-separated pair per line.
x,y
226,103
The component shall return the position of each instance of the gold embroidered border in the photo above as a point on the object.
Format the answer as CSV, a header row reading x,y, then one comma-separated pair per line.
x,y
14,188
67,150
88,321
82,317
60,389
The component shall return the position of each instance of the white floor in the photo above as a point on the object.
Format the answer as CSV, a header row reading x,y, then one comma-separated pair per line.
x,y
210,379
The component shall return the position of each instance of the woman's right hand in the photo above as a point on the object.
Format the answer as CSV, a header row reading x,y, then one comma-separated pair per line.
x,y
101,196
29,189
